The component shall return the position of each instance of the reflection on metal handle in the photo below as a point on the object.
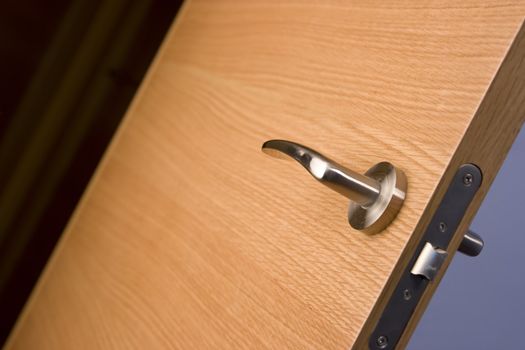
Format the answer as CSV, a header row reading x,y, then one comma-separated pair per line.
x,y
376,197
354,186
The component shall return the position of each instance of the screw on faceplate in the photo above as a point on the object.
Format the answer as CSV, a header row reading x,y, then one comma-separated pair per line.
x,y
467,179
442,226
407,295
382,341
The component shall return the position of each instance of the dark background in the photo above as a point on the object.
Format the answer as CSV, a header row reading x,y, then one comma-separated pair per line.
x,y
68,72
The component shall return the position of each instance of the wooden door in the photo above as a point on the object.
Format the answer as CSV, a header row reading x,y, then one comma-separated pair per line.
x,y
190,237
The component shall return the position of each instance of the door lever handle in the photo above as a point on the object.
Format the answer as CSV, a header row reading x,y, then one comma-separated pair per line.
x,y
375,197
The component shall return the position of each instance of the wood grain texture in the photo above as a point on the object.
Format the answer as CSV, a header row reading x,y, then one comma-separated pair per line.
x,y
190,237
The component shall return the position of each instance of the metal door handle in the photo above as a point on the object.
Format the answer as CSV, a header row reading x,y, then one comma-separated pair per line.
x,y
376,197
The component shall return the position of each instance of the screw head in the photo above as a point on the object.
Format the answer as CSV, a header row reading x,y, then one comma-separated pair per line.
x,y
407,295
468,179
442,226
382,341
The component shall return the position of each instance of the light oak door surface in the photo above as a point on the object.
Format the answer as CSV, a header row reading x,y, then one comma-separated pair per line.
x,y
190,237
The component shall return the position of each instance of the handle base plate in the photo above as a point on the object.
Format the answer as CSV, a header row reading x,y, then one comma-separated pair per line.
x,y
377,216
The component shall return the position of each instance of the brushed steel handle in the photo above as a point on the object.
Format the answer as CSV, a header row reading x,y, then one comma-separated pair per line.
x,y
356,187
376,197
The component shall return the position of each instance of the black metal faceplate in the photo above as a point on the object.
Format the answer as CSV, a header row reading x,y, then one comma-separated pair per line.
x,y
439,233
